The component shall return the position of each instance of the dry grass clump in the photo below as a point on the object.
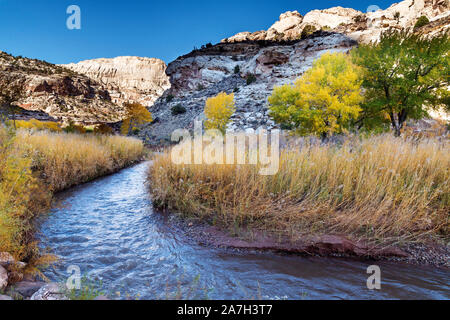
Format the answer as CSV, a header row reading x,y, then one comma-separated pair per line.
x,y
22,197
382,188
65,160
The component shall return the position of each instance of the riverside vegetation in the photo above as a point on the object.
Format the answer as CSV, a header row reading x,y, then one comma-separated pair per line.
x,y
381,188
36,164
378,188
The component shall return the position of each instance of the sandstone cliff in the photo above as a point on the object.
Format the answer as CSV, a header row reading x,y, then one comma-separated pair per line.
x,y
41,87
360,26
133,79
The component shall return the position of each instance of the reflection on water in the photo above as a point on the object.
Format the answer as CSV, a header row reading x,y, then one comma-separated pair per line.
x,y
108,228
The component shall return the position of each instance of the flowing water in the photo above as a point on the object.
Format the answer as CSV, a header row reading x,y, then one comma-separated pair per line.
x,y
109,229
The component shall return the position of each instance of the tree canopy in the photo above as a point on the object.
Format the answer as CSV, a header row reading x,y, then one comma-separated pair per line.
x,y
137,115
403,73
218,111
323,101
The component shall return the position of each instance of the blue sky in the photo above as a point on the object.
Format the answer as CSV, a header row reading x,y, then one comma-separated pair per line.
x,y
161,29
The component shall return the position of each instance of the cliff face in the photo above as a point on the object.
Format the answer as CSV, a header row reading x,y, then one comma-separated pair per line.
x,y
275,57
364,27
131,79
38,86
204,73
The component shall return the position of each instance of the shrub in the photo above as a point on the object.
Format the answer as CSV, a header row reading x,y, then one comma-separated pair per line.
x,y
200,87
178,109
307,31
218,111
34,124
237,70
250,78
170,97
103,129
360,18
22,197
422,21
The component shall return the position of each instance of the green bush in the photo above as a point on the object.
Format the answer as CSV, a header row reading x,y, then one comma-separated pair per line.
x,y
422,21
307,31
178,109
237,70
170,97
250,78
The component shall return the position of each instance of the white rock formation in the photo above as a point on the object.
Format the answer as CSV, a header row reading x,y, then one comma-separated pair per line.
x,y
133,79
330,18
364,27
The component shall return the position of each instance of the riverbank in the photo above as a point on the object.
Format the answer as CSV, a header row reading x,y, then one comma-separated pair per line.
x,y
34,166
334,246
377,197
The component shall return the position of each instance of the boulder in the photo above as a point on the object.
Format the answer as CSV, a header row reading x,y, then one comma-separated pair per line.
x,y
6,259
14,277
3,278
25,289
51,291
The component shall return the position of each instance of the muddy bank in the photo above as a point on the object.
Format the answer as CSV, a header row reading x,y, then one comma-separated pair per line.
x,y
327,245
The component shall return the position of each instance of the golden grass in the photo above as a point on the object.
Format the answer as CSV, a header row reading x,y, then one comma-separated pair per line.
x,y
34,165
65,160
382,188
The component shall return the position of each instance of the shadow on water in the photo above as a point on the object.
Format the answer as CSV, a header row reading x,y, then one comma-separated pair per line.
x,y
109,229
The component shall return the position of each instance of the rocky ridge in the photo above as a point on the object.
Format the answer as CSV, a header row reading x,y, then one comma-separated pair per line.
x,y
40,87
364,27
133,79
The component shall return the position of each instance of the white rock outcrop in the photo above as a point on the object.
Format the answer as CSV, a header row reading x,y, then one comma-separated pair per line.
x,y
133,79
364,27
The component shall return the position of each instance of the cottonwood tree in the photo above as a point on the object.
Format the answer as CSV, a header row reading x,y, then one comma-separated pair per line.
x,y
323,101
403,72
137,115
218,111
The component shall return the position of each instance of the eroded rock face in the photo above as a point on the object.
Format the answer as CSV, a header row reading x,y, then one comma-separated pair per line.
x,y
58,92
204,73
133,79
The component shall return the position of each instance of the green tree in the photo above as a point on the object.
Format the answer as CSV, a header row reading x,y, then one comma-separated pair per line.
x,y
322,102
403,72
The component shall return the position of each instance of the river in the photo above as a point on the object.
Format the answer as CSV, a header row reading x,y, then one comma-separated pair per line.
x,y
108,229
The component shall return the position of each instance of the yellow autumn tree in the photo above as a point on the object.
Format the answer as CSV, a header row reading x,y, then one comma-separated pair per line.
x,y
137,115
323,101
218,111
